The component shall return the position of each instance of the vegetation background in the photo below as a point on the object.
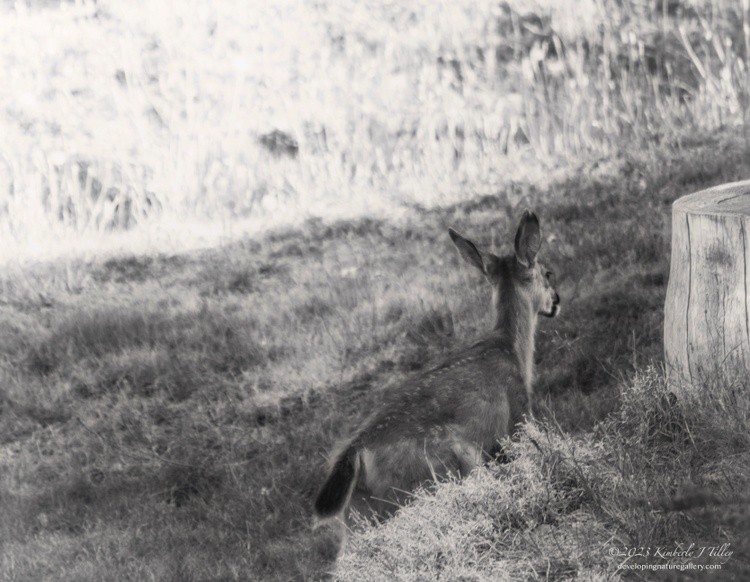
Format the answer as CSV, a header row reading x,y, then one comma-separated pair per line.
x,y
281,176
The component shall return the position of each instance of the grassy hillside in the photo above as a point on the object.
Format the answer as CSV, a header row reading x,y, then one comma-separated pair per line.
x,y
165,415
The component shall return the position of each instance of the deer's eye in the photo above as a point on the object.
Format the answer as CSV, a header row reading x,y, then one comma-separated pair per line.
x,y
550,277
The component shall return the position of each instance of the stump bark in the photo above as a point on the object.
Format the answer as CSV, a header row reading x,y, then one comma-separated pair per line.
x,y
706,318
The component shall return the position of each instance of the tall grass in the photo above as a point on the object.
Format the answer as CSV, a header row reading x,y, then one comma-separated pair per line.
x,y
641,73
177,114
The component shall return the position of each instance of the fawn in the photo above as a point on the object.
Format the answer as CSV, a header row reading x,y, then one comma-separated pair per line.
x,y
449,419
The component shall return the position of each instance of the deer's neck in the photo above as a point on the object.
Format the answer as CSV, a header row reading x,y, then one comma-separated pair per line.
x,y
516,320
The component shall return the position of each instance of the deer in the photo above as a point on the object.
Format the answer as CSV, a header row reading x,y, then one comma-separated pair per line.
x,y
452,417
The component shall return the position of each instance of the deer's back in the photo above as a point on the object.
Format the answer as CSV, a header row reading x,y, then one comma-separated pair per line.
x,y
476,394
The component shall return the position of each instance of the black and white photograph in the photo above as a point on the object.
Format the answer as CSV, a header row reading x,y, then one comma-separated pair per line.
x,y
374,290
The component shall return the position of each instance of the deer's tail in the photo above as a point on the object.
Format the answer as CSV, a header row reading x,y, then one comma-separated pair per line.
x,y
335,494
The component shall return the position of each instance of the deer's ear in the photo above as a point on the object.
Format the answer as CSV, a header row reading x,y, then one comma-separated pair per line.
x,y
468,250
528,239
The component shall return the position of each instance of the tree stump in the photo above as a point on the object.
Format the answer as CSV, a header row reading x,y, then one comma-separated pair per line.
x,y
706,318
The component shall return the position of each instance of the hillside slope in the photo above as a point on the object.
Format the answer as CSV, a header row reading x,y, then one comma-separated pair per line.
x,y
168,416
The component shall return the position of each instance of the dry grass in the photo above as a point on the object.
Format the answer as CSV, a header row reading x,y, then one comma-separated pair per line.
x,y
197,120
647,477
